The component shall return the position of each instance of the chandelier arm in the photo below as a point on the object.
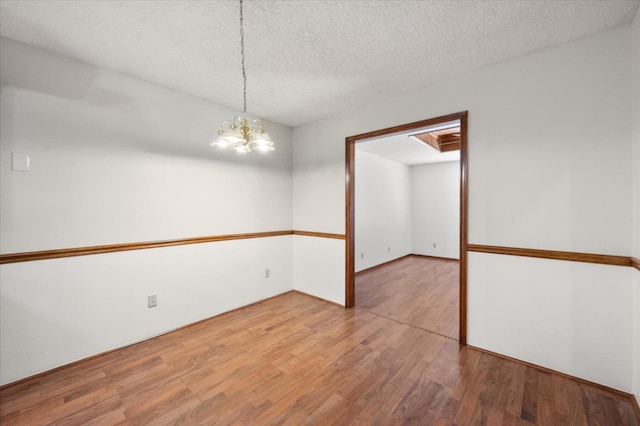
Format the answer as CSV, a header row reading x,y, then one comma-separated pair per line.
x,y
237,121
256,126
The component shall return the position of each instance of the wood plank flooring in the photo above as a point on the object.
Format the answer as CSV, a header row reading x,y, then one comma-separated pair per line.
x,y
417,290
296,360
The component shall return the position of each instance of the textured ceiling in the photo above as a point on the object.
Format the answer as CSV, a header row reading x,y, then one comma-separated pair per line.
x,y
305,59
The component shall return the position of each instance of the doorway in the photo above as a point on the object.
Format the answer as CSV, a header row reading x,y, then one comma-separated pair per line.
x,y
350,300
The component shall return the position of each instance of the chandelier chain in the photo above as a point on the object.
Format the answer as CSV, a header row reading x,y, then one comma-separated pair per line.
x,y
244,73
240,134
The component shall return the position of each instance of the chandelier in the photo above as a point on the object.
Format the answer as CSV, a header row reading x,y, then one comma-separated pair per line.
x,y
240,134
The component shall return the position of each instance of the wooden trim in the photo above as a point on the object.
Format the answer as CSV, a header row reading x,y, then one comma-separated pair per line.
x,y
113,248
350,243
604,259
559,373
464,209
387,263
636,407
101,354
450,259
635,263
70,364
406,127
350,143
316,297
320,235
428,139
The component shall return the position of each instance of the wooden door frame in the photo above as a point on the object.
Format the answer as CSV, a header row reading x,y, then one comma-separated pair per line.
x,y
350,143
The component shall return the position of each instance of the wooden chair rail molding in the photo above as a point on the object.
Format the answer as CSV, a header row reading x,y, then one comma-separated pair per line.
x,y
111,248
320,235
604,259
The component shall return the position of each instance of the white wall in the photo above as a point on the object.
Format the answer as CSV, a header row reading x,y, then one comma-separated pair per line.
x,y
56,311
314,261
382,210
636,199
116,160
549,168
318,206
401,210
549,148
435,209
318,183
565,310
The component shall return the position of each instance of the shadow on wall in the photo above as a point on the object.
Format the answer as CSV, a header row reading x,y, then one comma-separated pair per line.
x,y
86,106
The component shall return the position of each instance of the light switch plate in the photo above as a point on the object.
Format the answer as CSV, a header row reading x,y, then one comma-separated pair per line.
x,y
152,300
19,162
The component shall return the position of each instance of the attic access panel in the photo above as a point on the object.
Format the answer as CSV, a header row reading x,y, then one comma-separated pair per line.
x,y
443,140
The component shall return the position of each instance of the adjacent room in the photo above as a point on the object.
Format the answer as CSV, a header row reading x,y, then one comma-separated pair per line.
x,y
193,230
407,223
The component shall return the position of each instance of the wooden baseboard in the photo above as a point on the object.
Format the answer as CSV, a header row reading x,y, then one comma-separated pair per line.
x,y
380,265
101,354
403,257
636,406
317,298
450,259
630,396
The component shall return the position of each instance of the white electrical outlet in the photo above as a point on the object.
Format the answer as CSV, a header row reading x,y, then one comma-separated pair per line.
x,y
267,273
434,245
152,300
361,255
388,248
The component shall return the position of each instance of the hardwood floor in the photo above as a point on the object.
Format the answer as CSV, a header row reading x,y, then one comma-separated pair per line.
x,y
294,359
417,290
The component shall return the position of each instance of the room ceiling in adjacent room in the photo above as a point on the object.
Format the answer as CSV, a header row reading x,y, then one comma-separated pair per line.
x,y
409,147
306,60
